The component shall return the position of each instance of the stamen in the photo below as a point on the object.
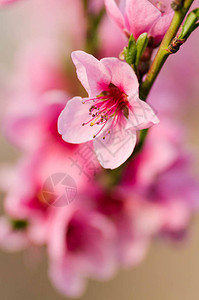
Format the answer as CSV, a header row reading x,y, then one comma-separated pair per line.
x,y
111,104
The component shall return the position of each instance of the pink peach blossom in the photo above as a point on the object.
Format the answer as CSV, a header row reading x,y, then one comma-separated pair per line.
x,y
32,120
139,16
39,174
131,243
112,113
161,179
160,151
80,246
26,203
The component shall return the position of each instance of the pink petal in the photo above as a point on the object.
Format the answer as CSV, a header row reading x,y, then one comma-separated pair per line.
x,y
157,156
141,15
64,275
91,72
133,251
161,26
141,116
122,75
116,148
99,259
114,13
71,119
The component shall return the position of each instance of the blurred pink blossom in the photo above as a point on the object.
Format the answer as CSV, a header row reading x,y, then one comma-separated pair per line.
x,y
32,120
160,177
5,2
80,245
43,191
131,243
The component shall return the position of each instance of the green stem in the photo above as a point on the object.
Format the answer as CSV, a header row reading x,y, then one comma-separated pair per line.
x,y
163,53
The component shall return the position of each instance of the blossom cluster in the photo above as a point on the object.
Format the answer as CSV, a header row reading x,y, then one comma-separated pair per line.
x,y
59,194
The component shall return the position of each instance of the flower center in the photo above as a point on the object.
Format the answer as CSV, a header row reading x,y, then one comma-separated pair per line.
x,y
109,105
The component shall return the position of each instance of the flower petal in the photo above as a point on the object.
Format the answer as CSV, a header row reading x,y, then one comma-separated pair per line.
x,y
91,72
66,278
161,26
141,15
116,148
122,75
141,116
71,119
114,13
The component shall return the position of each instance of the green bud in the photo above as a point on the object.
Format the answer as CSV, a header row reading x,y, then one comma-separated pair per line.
x,y
130,51
190,24
141,44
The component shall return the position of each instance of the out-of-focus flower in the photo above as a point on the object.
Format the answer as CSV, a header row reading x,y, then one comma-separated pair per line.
x,y
173,196
52,177
160,177
161,149
139,16
32,121
80,246
131,243
113,108
27,203
5,2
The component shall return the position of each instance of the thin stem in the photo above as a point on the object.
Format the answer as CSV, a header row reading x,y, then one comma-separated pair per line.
x,y
163,53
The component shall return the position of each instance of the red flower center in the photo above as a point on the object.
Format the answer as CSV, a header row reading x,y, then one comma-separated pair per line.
x,y
111,104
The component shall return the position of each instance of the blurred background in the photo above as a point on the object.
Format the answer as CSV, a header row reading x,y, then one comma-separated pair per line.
x,y
170,271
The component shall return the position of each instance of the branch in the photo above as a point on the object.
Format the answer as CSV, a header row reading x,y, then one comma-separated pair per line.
x,y
163,51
